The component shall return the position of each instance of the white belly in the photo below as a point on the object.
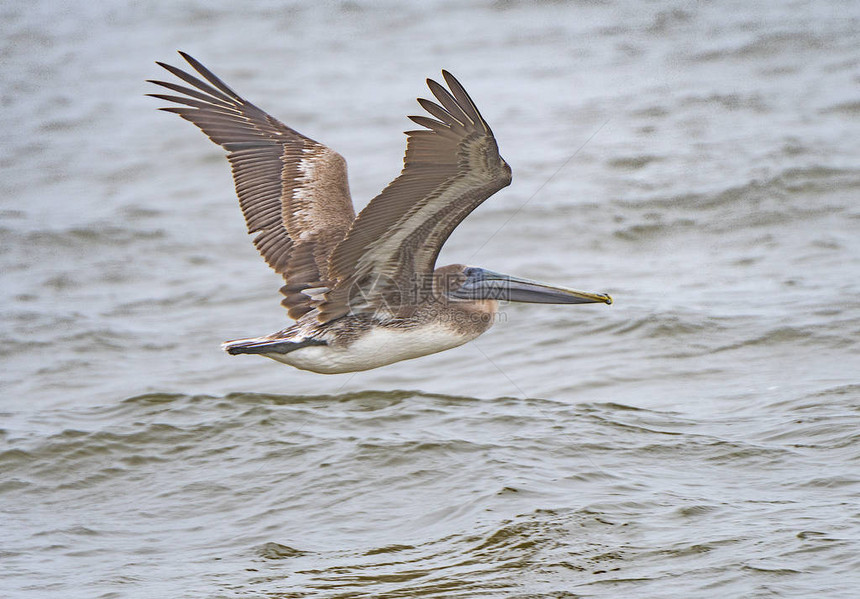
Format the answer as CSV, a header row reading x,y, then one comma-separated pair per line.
x,y
377,347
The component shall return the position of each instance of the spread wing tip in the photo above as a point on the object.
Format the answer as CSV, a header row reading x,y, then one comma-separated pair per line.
x,y
287,184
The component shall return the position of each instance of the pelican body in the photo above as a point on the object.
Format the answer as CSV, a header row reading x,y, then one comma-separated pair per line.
x,y
364,290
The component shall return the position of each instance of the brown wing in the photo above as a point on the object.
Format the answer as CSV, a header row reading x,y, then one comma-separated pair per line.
x,y
293,191
450,168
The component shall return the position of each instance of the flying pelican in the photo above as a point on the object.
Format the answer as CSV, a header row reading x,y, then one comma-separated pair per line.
x,y
364,291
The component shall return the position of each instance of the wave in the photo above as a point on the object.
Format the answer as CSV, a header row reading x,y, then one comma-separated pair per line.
x,y
758,203
96,234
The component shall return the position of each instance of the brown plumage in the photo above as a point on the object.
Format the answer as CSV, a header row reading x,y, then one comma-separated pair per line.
x,y
294,194
364,291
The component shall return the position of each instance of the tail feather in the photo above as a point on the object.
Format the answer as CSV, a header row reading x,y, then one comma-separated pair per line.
x,y
262,345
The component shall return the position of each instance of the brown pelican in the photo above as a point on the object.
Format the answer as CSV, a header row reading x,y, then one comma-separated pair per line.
x,y
364,291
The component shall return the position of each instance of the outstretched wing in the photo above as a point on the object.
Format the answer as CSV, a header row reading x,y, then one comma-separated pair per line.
x,y
450,168
293,191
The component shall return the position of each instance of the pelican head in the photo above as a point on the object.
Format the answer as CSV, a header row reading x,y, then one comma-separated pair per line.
x,y
477,284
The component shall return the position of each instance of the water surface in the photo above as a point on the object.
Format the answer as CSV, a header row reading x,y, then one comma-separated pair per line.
x,y
698,438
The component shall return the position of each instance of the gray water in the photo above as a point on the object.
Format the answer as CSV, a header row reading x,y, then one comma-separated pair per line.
x,y
699,438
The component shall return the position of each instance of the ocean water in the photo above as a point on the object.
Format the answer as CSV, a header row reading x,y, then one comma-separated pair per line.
x,y
698,438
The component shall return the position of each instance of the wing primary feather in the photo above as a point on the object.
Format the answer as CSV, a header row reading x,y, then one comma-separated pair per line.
x,y
426,121
464,99
192,80
439,112
209,75
193,93
448,101
202,105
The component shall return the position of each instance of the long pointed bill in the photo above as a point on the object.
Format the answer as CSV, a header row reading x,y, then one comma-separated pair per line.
x,y
486,284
